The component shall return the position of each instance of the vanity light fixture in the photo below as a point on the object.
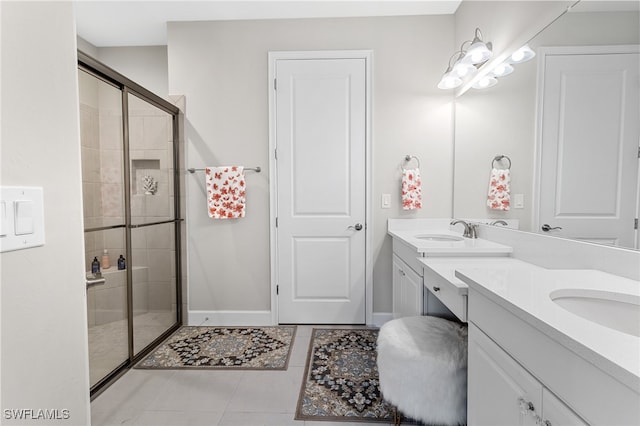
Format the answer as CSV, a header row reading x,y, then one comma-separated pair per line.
x,y
505,68
451,77
466,62
449,80
463,69
479,52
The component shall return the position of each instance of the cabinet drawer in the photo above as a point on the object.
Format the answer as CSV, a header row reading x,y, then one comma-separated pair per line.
x,y
408,255
447,293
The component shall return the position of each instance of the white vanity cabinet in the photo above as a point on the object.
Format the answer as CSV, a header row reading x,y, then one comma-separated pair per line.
x,y
524,348
502,392
555,412
407,290
409,296
452,295
415,240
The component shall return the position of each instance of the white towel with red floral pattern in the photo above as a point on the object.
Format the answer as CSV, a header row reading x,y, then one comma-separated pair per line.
x,y
499,197
225,192
411,189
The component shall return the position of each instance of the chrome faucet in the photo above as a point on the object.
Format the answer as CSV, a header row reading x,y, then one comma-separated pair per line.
x,y
499,222
470,229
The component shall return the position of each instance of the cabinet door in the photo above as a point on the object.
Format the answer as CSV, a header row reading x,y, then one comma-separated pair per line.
x,y
556,413
500,391
411,293
398,276
407,290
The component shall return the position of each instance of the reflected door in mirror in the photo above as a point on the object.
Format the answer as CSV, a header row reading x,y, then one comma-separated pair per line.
x,y
589,146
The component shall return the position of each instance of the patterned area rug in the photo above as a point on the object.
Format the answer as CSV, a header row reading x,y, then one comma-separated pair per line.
x,y
241,348
340,382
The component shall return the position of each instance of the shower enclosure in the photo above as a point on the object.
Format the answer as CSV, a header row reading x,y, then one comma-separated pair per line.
x,y
131,218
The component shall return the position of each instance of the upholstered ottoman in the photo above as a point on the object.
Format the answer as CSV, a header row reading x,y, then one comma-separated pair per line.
x,y
422,362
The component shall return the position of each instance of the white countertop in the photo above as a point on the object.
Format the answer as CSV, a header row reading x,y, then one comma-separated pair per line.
x,y
464,247
525,293
446,267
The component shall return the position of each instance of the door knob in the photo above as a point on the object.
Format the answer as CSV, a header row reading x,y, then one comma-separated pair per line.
x,y
546,227
357,227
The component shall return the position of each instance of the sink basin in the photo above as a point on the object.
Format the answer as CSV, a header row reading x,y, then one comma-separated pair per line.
x,y
438,237
617,311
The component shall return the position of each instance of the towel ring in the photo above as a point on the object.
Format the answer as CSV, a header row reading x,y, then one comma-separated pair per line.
x,y
500,158
408,158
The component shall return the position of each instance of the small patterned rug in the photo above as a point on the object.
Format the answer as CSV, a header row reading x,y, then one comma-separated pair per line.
x,y
240,348
340,382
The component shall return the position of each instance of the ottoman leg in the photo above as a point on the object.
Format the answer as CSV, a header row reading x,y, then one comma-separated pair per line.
x,y
397,417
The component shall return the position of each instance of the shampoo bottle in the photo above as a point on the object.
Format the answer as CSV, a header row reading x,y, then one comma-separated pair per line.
x,y
95,266
121,263
105,264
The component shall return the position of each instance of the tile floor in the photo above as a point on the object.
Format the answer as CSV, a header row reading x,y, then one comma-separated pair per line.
x,y
108,345
209,397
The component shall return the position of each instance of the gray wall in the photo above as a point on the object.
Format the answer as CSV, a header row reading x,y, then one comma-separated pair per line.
x,y
44,323
221,67
146,65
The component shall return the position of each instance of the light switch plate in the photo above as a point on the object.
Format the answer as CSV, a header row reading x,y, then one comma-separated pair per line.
x,y
386,201
518,201
23,224
4,222
23,214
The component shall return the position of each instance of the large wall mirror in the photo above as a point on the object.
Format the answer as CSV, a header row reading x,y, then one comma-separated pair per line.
x,y
597,150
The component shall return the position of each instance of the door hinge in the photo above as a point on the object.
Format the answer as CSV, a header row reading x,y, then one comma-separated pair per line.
x,y
277,289
276,221
275,84
635,223
639,152
275,153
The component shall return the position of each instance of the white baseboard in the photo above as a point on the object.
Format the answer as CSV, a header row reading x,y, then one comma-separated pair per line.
x,y
255,318
379,318
230,318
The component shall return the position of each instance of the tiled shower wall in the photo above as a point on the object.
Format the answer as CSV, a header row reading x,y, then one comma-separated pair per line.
x,y
151,152
153,247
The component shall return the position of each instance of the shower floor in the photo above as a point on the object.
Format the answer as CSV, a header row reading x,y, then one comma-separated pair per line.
x,y
108,343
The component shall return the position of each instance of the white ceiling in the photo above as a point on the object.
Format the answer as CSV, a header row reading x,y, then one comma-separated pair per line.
x,y
143,23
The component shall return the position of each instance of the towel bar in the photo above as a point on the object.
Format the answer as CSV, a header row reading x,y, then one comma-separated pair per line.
x,y
256,169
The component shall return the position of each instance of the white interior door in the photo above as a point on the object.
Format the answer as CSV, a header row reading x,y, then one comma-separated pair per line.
x,y
589,149
321,190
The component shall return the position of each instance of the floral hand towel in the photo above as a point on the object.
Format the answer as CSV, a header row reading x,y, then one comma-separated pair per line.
x,y
499,197
225,192
411,189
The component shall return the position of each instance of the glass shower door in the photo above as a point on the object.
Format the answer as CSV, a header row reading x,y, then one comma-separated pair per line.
x,y
101,122
153,256
131,208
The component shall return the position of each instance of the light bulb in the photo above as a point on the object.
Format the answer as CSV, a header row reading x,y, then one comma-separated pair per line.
x,y
462,69
518,55
449,81
502,69
478,52
485,82
476,57
522,55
